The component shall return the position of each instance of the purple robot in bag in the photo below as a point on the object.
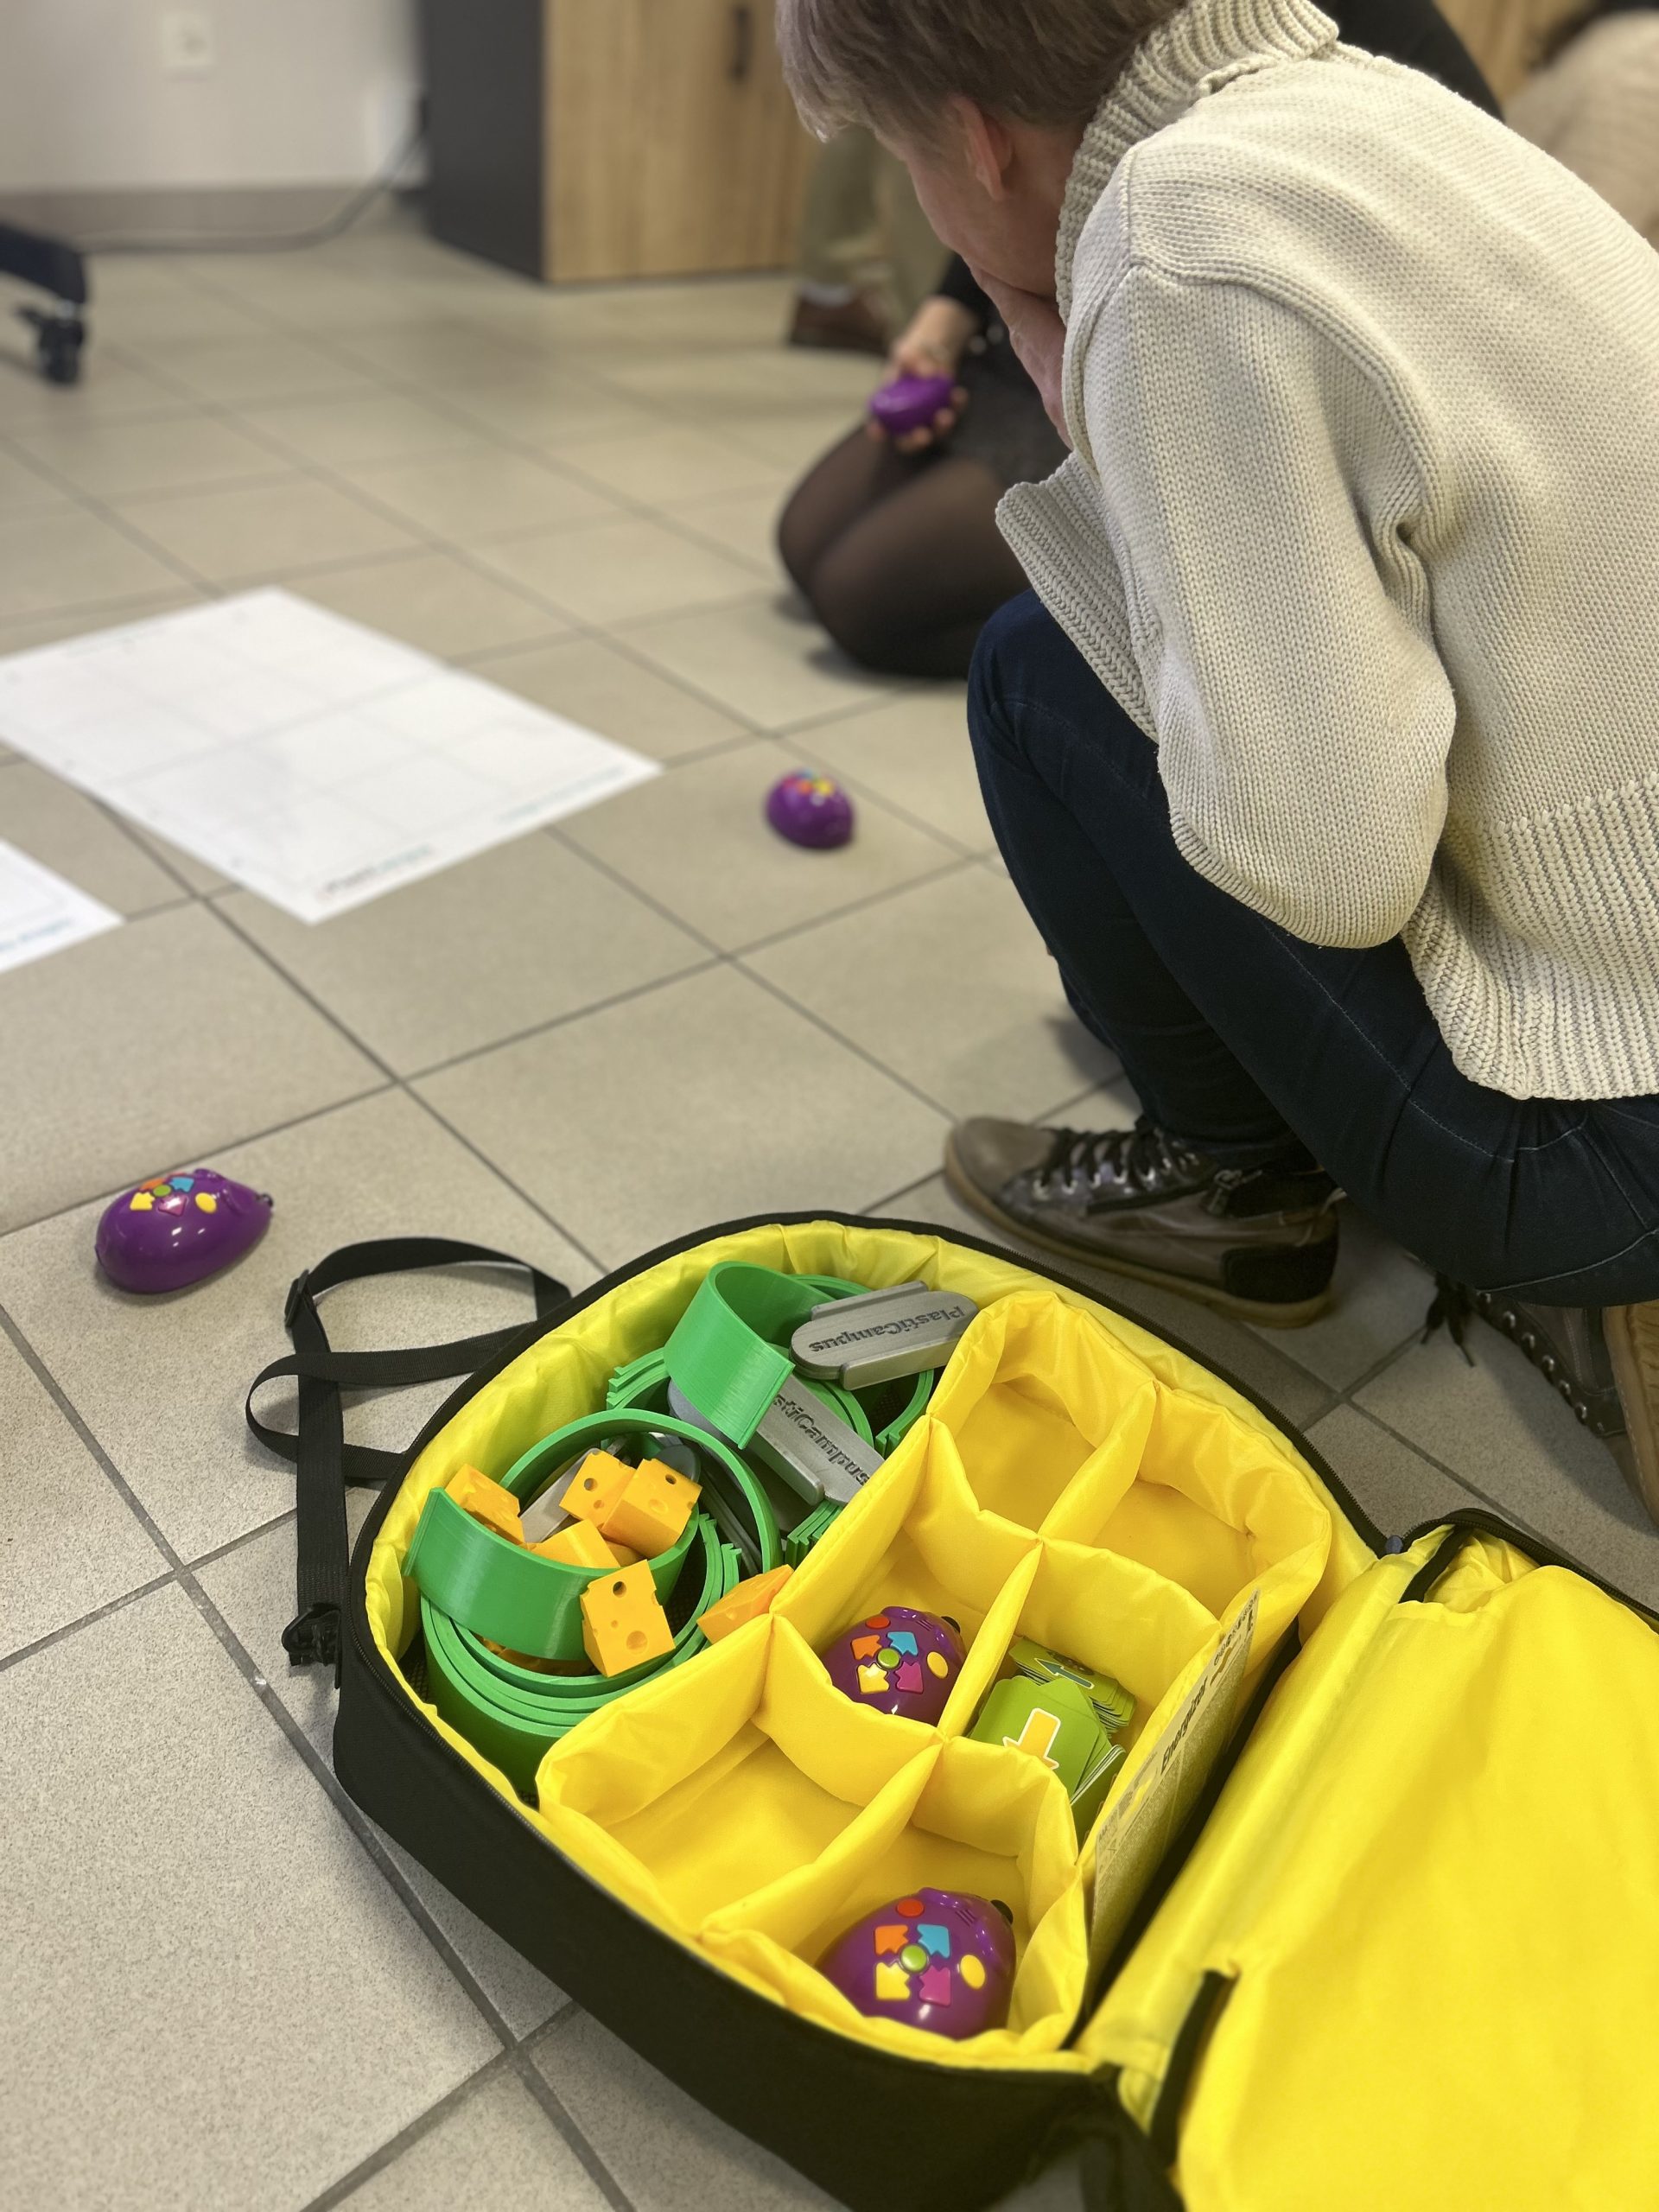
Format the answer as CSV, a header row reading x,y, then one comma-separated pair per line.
x,y
937,1959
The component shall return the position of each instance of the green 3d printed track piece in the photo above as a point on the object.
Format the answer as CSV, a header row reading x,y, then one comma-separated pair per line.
x,y
502,1590
727,1354
513,1713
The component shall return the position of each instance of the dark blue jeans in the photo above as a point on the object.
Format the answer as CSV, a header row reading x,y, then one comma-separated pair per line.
x,y
1243,1038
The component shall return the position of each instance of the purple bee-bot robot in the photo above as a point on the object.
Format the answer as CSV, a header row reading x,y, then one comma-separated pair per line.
x,y
897,1661
810,810
936,1959
175,1230
910,404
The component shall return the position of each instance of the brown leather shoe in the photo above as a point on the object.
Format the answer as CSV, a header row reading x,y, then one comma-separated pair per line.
x,y
854,326
1259,1244
1604,1360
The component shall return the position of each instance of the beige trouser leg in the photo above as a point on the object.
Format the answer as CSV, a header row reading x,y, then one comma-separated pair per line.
x,y
915,258
841,228
862,218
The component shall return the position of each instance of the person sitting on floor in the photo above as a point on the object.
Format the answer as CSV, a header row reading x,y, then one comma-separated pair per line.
x,y
896,548
1322,755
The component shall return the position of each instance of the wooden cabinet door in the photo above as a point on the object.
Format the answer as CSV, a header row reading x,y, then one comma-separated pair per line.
x,y
672,145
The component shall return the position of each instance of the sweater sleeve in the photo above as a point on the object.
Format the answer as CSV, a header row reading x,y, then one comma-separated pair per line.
x,y
1262,499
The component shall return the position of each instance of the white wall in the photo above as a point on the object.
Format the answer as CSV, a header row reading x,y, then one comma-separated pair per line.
x,y
302,91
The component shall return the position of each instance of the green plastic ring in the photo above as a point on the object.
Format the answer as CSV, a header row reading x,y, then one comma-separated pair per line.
x,y
500,1590
511,1714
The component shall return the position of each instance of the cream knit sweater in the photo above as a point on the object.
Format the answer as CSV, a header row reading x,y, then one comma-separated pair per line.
x,y
1362,525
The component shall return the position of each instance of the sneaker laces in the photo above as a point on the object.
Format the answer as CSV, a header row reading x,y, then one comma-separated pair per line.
x,y
1455,1303
1140,1157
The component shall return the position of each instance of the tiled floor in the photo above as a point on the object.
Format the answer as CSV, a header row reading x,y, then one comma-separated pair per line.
x,y
223,1987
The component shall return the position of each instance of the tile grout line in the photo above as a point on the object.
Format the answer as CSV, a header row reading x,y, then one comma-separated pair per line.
x,y
559,2113
392,2149
258,1136
182,1576
394,1081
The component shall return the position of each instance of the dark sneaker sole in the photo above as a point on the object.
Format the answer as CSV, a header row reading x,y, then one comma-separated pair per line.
x,y
1632,1337
1263,1313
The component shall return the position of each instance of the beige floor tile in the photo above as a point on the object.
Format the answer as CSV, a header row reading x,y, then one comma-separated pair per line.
x,y
1238,1353
597,685
700,844
435,601
119,461
163,1038
555,414
248,372
914,752
667,2152
179,1897
496,2147
516,938
1395,1485
1499,1427
253,1587
169,316
754,382
381,1168
257,532
21,636
766,662
23,490
438,349
72,1543
620,571
482,493
744,524
1382,1296
792,443
66,831
62,561
356,430
705,1100
111,386
667,465
968,1006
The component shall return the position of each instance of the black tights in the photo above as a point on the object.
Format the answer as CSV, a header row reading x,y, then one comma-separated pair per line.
x,y
900,558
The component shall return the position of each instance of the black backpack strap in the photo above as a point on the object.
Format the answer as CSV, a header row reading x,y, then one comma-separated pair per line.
x,y
324,1462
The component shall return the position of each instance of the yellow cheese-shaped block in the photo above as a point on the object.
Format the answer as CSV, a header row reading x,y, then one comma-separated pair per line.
x,y
747,1603
596,1487
622,1623
488,1502
579,1544
653,1511
624,1554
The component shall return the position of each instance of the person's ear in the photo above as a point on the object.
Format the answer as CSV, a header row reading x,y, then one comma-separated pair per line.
x,y
987,146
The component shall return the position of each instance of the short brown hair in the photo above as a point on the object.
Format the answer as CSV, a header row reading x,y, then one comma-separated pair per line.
x,y
890,65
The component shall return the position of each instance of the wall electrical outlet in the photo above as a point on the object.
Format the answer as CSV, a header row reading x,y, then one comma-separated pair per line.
x,y
187,41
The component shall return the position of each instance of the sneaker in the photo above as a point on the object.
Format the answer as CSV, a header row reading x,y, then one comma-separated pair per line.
x,y
1604,1360
1257,1243
851,326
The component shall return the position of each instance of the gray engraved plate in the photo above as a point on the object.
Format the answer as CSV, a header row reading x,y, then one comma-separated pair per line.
x,y
545,1515
882,1336
811,1449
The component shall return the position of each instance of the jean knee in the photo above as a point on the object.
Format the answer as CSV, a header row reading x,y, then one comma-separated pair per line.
x,y
1012,639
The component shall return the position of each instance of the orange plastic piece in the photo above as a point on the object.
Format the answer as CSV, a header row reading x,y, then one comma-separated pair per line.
x,y
653,1511
622,1623
578,1544
488,1502
747,1603
597,1488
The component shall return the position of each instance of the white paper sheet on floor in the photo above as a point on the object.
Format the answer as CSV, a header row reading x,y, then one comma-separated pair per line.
x,y
317,762
39,912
